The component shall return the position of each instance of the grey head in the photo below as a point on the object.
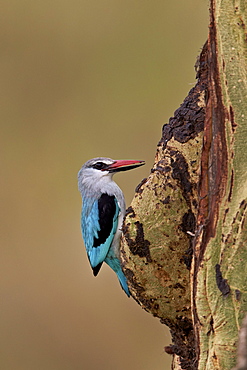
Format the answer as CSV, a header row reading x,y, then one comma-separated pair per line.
x,y
96,174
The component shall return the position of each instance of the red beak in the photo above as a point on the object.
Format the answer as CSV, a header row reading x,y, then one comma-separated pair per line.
x,y
123,165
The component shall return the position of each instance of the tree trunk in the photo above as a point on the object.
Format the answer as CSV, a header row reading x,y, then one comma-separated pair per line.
x,y
184,249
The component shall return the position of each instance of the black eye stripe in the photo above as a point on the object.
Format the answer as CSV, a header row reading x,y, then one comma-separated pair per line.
x,y
99,165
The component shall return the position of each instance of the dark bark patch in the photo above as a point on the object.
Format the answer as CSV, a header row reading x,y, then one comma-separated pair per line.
x,y
231,186
169,350
166,200
237,294
167,169
225,214
181,174
232,120
183,342
243,204
130,212
139,245
221,282
188,222
188,225
211,326
139,188
178,286
187,257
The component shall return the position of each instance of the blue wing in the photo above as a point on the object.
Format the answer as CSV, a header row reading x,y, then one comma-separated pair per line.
x,y
99,224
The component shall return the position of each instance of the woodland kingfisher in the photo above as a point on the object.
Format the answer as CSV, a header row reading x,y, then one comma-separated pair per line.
x,y
103,210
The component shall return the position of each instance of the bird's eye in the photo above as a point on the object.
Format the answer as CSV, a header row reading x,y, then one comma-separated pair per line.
x,y
99,165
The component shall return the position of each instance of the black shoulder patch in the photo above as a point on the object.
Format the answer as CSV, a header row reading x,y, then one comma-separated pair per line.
x,y
107,210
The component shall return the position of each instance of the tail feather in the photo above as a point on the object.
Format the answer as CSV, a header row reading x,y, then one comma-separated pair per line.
x,y
96,269
115,265
123,282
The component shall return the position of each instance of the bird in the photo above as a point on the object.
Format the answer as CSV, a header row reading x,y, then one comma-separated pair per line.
x,y
103,210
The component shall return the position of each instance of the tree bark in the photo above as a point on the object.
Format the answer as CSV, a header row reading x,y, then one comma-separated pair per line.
x,y
184,249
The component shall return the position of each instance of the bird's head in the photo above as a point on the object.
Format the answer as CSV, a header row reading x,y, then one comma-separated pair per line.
x,y
102,168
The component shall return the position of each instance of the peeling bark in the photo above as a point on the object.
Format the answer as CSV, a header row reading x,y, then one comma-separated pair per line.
x,y
217,272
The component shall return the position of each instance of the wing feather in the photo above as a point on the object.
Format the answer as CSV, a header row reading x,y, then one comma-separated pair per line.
x,y
99,225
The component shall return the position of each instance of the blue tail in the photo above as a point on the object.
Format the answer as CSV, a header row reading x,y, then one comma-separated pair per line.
x,y
114,264
123,281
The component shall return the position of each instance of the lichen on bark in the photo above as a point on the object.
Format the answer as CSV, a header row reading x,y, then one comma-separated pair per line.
x,y
219,276
160,223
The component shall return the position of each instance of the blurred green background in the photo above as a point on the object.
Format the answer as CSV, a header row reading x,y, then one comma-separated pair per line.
x,y
80,79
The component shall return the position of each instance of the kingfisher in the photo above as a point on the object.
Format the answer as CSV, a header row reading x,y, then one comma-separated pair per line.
x,y
103,210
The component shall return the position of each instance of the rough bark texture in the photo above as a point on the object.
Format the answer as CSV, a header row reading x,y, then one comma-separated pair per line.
x,y
242,347
184,249
219,278
159,226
